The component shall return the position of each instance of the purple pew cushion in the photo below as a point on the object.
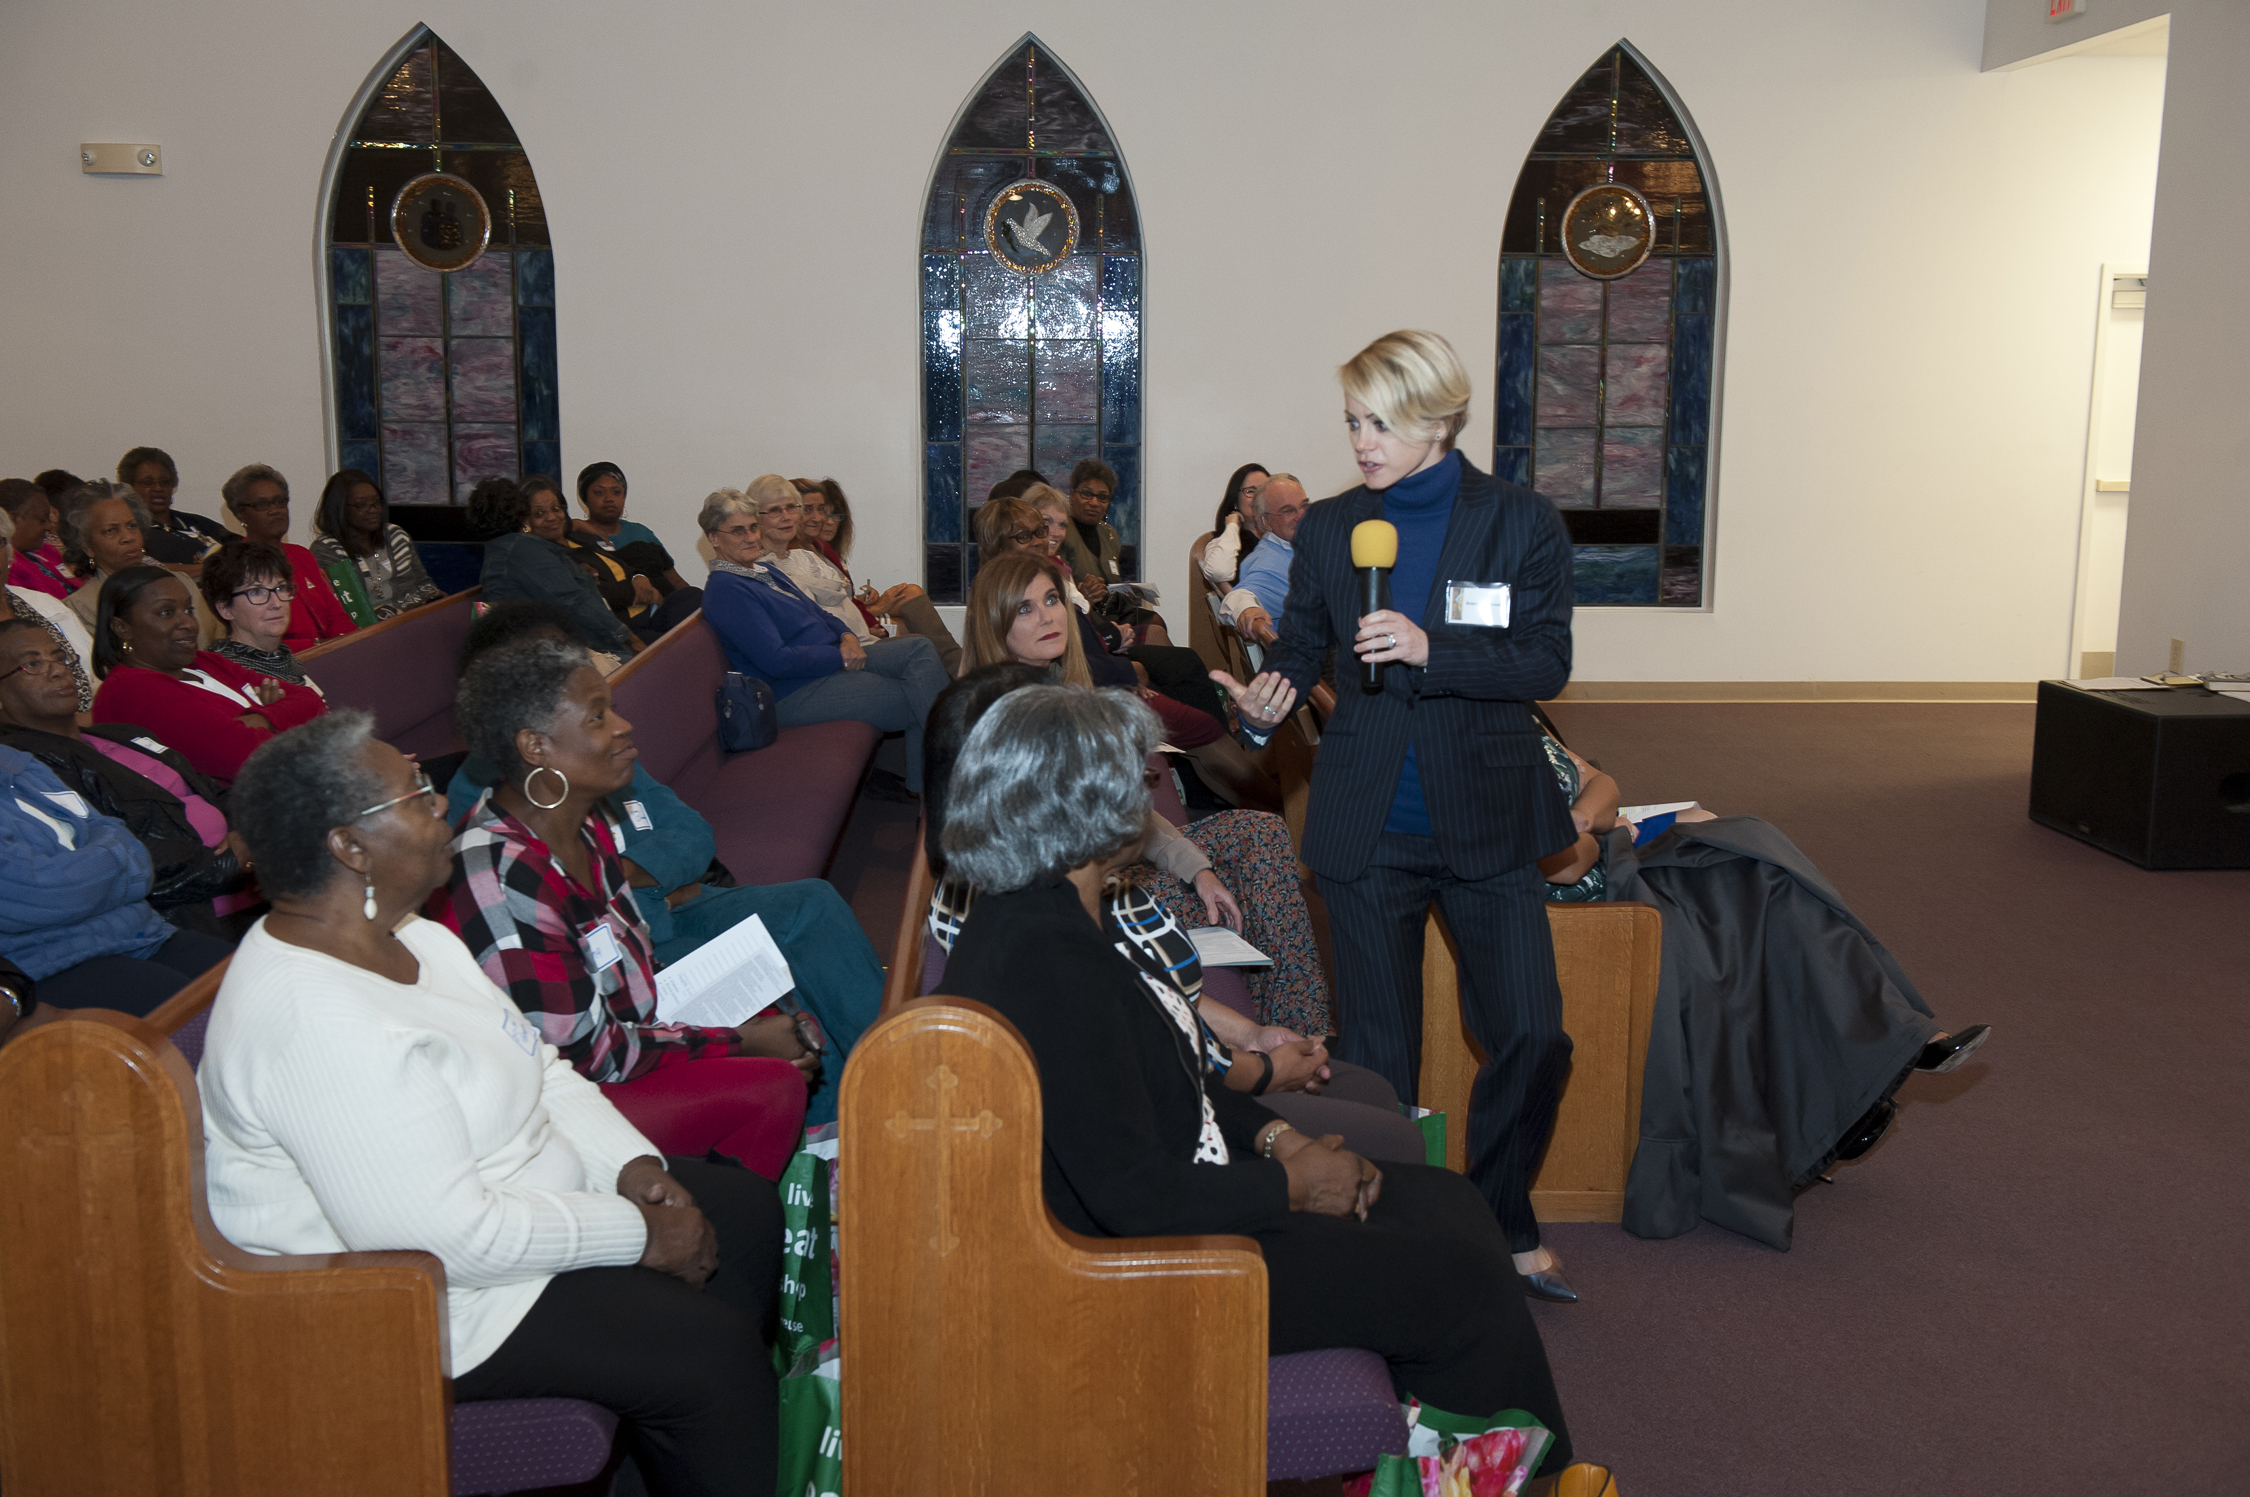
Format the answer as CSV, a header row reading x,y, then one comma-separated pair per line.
x,y
1329,1412
520,1444
776,812
404,675
188,1038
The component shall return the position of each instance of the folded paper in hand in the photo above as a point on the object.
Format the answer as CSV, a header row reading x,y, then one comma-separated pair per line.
x,y
728,979
1220,947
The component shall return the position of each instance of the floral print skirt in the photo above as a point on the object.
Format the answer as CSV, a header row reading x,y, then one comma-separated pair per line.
x,y
1251,853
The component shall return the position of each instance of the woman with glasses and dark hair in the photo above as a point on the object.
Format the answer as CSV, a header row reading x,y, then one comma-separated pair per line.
x,y
820,559
151,473
1237,519
520,566
1091,546
209,708
250,585
371,563
365,1086
258,496
124,770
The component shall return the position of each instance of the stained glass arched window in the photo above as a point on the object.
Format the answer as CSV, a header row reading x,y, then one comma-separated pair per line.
x,y
440,379
1031,307
1605,386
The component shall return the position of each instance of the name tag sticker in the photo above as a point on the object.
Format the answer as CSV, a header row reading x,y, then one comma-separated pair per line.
x,y
150,744
602,949
1482,605
69,801
637,813
526,1037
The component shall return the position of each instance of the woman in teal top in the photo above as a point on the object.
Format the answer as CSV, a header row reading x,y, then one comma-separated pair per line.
x,y
1781,1028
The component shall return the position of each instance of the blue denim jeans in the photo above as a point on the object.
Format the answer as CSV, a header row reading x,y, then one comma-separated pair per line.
x,y
893,692
838,976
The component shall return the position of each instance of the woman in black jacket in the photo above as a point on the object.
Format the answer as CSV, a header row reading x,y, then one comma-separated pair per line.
x,y
1047,800
520,565
125,772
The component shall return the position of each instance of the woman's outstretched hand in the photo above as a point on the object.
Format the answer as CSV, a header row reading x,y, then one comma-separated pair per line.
x,y
1265,704
1325,1178
681,1240
1218,902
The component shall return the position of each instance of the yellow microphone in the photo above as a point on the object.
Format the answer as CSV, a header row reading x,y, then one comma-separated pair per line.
x,y
1374,553
1375,544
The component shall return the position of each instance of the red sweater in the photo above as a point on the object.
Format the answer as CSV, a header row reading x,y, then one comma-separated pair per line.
x,y
316,616
204,725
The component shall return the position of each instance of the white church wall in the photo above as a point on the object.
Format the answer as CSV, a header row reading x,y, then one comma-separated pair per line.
x,y
735,192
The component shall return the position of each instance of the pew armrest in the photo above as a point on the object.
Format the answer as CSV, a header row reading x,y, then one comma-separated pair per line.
x,y
144,1352
992,1350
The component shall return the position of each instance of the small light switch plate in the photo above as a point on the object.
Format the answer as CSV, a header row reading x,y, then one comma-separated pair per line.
x,y
121,160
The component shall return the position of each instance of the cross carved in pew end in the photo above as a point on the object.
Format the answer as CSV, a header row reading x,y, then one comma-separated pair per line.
x,y
904,1126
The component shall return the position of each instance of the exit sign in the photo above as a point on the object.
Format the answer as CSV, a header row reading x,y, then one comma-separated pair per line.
x,y
2063,10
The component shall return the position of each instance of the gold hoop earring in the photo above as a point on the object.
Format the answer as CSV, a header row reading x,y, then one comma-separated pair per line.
x,y
546,805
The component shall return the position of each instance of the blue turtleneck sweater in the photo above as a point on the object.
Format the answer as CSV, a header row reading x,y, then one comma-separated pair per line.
x,y
1421,506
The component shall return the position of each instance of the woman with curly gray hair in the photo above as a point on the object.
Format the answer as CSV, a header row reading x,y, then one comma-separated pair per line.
x,y
366,1087
1047,800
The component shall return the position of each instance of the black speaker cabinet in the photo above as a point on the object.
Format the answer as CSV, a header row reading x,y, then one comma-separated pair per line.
x,y
2160,778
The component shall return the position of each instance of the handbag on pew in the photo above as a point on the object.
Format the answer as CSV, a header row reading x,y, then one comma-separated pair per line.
x,y
748,718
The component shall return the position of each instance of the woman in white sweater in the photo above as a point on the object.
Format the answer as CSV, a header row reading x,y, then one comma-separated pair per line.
x,y
366,1087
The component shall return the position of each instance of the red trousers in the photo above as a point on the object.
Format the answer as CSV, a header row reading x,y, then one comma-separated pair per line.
x,y
749,1108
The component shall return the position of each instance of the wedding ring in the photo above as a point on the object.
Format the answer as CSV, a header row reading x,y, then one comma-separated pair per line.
x,y
1393,639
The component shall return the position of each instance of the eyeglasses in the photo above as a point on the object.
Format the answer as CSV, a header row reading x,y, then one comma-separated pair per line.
x,y
257,595
783,509
422,786
1025,537
38,665
1090,492
259,506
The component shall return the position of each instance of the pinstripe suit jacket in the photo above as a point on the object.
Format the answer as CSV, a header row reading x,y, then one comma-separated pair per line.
x,y
1485,778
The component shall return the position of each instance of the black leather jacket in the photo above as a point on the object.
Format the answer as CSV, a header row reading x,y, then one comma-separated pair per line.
x,y
187,873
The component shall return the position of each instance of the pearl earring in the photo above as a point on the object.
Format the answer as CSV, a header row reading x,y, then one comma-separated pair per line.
x,y
369,906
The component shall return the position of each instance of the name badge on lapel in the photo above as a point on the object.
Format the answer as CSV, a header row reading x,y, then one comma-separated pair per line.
x,y
637,813
1483,605
602,948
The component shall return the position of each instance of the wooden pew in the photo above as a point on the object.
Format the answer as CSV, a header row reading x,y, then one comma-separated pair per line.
x,y
401,670
141,1352
1607,957
987,1348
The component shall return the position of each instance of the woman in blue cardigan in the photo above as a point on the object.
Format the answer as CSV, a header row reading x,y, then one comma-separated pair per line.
x,y
818,669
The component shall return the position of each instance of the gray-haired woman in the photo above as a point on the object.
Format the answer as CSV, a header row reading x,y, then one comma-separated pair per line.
x,y
772,629
1047,799
365,1087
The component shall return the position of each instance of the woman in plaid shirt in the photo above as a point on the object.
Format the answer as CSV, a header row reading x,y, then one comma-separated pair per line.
x,y
540,898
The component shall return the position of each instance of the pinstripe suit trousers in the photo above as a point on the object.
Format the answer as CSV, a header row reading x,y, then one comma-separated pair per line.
x,y
1509,998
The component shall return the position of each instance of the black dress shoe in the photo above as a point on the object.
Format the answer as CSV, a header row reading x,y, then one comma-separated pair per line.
x,y
882,785
1940,1056
1549,1284
1868,1131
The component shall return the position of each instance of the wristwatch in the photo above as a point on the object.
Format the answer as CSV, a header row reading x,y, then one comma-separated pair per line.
x,y
22,992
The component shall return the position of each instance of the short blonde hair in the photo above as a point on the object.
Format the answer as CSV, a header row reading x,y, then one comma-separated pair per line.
x,y
769,489
1413,383
1046,496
